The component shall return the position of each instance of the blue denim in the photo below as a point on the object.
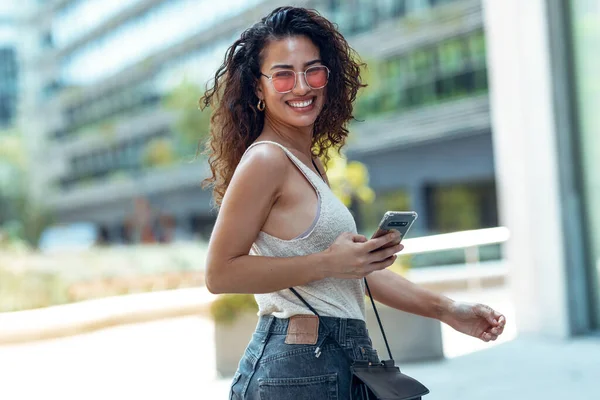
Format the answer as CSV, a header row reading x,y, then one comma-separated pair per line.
x,y
270,369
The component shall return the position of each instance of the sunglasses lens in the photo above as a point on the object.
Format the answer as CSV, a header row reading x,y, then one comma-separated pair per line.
x,y
283,81
317,77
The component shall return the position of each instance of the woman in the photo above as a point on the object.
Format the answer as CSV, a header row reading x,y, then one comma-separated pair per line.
x,y
281,99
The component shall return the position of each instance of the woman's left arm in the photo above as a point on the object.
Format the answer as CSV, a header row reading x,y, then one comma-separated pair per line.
x,y
477,320
393,290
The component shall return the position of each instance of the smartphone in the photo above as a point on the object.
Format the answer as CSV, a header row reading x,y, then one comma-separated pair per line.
x,y
395,220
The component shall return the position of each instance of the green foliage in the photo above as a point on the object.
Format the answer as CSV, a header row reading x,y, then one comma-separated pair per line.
x,y
31,280
367,97
192,124
12,149
227,307
350,183
30,290
20,217
159,152
349,180
458,208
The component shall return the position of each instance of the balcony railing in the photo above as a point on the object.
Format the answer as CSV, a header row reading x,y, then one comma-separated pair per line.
x,y
468,241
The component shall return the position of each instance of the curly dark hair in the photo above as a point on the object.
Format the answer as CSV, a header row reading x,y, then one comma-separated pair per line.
x,y
236,123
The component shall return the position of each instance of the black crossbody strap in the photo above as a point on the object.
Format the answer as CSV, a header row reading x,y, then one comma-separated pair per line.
x,y
322,323
378,320
374,309
305,302
366,285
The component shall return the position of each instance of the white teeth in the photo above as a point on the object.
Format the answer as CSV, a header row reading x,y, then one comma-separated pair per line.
x,y
299,104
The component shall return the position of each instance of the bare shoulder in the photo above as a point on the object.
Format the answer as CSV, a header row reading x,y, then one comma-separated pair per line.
x,y
255,186
266,154
264,163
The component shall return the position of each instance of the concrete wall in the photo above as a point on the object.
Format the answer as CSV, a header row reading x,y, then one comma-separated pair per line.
x,y
528,166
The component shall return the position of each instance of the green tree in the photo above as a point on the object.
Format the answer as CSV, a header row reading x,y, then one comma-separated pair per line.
x,y
367,98
350,183
20,217
13,168
192,124
159,152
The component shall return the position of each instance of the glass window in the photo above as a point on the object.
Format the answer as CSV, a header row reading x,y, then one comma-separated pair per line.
x,y
334,5
586,40
463,206
398,7
420,85
440,2
421,65
365,15
398,69
80,17
476,48
166,24
451,56
196,67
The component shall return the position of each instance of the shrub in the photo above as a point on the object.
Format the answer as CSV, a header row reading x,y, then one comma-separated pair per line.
x,y
31,289
227,307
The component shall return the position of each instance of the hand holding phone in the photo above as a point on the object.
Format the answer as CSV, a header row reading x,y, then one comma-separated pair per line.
x,y
352,256
395,220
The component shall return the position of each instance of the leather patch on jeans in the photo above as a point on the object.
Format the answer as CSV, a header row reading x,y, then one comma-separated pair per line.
x,y
303,329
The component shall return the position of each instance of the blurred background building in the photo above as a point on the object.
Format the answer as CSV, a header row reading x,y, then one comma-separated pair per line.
x,y
9,98
104,72
9,74
104,80
427,107
100,72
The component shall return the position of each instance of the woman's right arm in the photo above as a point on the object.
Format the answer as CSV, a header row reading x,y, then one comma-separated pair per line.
x,y
254,188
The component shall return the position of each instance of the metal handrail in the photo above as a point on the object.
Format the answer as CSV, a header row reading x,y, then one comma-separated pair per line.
x,y
455,240
470,241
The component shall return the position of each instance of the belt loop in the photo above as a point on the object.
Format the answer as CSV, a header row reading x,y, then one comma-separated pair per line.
x,y
342,332
267,326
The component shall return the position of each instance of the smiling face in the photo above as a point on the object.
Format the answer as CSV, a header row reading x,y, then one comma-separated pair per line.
x,y
301,106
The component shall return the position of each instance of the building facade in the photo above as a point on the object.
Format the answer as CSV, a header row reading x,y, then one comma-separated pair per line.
x,y
9,98
469,101
100,73
426,109
9,70
104,77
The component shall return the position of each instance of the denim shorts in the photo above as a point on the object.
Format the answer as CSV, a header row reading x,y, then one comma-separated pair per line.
x,y
270,369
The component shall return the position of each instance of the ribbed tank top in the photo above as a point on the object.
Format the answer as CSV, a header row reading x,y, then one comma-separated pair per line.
x,y
330,297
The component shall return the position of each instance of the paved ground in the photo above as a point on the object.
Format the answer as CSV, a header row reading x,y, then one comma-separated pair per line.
x,y
174,359
519,370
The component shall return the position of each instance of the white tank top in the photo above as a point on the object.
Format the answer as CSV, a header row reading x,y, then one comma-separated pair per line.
x,y
330,297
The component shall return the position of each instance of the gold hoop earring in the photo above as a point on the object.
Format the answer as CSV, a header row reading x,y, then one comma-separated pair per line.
x,y
261,105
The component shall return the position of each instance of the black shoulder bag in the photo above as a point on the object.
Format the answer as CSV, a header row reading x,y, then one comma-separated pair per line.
x,y
382,381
